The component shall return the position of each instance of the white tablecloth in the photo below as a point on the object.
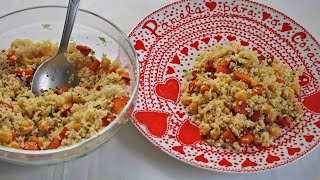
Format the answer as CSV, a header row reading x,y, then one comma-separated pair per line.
x,y
128,155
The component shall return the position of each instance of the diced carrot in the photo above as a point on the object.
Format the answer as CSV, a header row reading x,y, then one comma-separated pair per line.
x,y
64,89
228,137
224,63
223,70
126,76
11,61
65,109
194,74
284,121
105,122
111,117
7,105
112,70
261,58
241,107
84,50
242,77
257,90
63,133
255,116
54,144
246,139
14,135
10,54
192,86
26,72
280,80
208,66
30,146
204,89
40,144
95,65
119,103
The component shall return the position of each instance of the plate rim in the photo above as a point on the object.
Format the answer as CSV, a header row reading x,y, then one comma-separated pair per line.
x,y
249,171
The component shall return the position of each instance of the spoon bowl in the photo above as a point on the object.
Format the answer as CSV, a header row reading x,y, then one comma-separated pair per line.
x,y
57,71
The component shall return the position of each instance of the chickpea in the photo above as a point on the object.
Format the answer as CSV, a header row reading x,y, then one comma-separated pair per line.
x,y
14,145
77,126
275,131
267,109
287,94
25,127
119,71
257,139
43,126
214,134
76,98
186,100
254,82
240,84
241,95
226,110
204,128
193,108
5,136
105,63
272,88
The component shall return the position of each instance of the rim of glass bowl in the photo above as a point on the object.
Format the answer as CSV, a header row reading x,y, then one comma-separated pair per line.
x,y
117,120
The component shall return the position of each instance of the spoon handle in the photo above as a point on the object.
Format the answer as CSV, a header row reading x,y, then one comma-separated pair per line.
x,y
68,25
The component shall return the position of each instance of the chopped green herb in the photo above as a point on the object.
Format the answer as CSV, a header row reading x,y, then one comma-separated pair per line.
x,y
26,97
238,63
91,58
102,39
184,70
260,132
97,106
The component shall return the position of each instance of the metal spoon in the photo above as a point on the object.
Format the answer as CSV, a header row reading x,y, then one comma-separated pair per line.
x,y
58,71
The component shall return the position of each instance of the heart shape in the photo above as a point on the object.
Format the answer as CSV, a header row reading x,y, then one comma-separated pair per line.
x,y
304,80
156,122
201,158
185,51
170,70
205,40
218,38
309,138
180,114
195,45
225,163
286,27
312,102
139,45
169,90
231,38
244,43
211,5
179,149
189,133
248,163
271,158
317,124
265,16
175,60
292,151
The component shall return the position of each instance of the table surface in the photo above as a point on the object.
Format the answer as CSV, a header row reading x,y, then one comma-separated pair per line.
x,y
128,155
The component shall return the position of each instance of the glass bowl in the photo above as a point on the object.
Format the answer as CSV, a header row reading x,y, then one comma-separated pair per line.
x,y
46,23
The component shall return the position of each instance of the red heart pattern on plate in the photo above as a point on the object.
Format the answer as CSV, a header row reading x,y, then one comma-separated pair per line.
x,y
169,90
156,122
167,45
189,133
